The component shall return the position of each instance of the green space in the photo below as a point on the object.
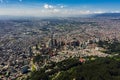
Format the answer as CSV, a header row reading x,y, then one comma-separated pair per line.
x,y
71,69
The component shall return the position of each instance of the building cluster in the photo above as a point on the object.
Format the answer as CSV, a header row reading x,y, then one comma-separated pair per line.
x,y
21,40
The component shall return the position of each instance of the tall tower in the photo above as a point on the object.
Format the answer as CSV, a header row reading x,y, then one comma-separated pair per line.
x,y
52,42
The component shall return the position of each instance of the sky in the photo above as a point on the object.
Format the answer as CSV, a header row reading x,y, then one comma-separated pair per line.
x,y
57,8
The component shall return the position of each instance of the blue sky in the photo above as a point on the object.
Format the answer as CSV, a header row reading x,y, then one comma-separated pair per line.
x,y
57,7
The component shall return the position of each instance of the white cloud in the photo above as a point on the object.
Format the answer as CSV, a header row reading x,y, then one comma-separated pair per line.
x,y
44,12
47,10
50,9
56,10
62,6
47,6
115,11
98,12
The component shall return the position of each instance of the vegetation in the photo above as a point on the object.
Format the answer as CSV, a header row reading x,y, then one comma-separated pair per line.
x,y
99,69
111,48
71,69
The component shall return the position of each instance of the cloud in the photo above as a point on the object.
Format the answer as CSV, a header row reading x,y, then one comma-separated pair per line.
x,y
47,10
115,11
42,12
47,6
98,12
50,9
62,6
56,10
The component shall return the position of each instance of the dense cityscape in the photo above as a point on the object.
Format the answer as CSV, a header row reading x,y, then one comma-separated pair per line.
x,y
59,39
31,44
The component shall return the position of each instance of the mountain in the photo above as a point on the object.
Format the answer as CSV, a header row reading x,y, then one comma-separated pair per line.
x,y
107,15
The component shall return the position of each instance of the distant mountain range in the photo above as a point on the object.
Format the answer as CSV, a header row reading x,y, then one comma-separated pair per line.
x,y
107,15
